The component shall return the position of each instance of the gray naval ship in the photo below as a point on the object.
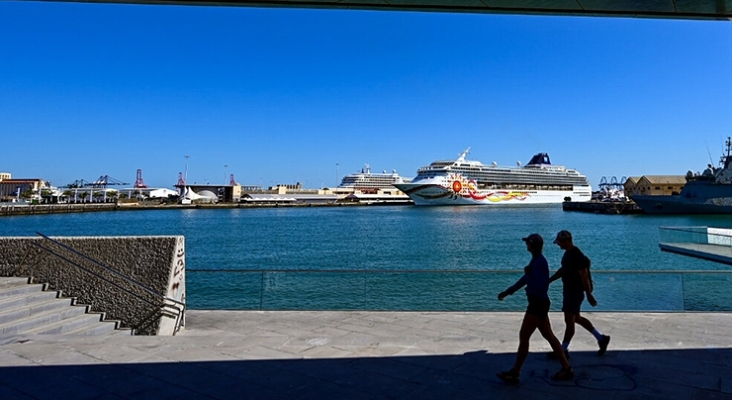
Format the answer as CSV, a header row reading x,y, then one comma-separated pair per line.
x,y
708,193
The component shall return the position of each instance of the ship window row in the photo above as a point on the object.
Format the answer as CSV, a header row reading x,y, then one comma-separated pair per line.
x,y
499,175
524,187
538,173
528,181
524,181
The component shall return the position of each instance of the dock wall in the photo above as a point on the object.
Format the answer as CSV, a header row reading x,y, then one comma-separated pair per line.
x,y
39,209
156,262
602,207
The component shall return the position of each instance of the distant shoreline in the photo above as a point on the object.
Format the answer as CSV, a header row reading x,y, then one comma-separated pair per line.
x,y
40,209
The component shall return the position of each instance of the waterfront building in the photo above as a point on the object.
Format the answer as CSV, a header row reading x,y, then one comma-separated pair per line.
x,y
86,195
630,186
219,193
148,193
655,185
14,189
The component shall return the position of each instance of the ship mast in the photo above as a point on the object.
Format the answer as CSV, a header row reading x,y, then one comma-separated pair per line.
x,y
462,156
727,158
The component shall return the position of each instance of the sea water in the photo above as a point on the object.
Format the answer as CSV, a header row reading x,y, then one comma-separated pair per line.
x,y
406,257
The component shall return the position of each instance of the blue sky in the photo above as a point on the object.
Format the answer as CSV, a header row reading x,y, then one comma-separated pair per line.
x,y
283,95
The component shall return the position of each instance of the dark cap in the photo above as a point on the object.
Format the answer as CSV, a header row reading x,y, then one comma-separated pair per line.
x,y
562,235
534,238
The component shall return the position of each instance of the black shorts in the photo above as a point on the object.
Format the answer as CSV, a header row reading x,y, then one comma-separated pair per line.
x,y
538,307
572,301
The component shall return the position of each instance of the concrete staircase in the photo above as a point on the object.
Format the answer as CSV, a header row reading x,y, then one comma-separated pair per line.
x,y
27,309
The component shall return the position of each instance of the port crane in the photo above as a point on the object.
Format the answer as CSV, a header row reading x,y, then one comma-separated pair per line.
x,y
101,183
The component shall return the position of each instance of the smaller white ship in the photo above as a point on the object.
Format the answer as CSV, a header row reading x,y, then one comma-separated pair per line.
x,y
368,182
372,188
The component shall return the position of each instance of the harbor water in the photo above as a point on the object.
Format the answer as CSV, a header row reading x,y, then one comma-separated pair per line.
x,y
406,257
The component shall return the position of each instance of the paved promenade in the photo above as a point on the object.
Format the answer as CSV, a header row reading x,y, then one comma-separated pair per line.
x,y
374,355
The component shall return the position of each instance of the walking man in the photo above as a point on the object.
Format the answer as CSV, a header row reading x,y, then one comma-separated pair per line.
x,y
576,281
536,279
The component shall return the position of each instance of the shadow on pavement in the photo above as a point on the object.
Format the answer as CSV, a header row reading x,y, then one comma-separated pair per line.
x,y
659,374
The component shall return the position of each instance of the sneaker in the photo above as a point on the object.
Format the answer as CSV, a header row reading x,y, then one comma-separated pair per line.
x,y
509,377
603,344
553,356
564,374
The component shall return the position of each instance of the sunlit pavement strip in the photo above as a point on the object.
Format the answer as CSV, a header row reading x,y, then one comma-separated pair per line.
x,y
374,355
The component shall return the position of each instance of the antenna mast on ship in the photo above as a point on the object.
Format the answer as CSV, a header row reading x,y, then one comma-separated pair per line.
x,y
726,159
463,155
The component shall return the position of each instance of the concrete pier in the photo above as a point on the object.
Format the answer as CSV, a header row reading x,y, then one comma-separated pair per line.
x,y
600,207
39,209
374,355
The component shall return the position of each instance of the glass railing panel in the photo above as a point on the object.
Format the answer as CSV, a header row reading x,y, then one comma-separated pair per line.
x,y
721,238
693,235
637,291
707,291
702,242
439,291
223,290
293,290
446,290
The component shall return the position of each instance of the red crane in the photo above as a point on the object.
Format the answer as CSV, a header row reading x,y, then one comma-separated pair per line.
x,y
139,183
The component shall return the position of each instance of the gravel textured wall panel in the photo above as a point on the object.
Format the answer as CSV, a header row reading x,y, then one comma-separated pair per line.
x,y
157,263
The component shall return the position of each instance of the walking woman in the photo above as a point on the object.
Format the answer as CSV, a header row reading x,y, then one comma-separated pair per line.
x,y
536,280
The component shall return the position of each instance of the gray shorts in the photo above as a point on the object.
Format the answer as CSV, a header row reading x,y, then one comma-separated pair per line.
x,y
572,301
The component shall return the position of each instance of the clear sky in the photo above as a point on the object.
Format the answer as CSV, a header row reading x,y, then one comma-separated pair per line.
x,y
302,95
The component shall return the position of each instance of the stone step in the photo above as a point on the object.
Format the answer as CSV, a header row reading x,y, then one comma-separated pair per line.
x,y
71,324
28,309
16,288
96,328
25,300
12,279
23,325
32,308
122,332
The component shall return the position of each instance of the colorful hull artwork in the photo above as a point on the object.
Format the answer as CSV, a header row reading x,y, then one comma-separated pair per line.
x,y
467,189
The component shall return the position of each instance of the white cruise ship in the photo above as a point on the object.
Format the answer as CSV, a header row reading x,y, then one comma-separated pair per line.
x,y
463,182
368,182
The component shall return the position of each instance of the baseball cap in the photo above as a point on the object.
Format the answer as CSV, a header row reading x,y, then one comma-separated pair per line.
x,y
534,238
562,235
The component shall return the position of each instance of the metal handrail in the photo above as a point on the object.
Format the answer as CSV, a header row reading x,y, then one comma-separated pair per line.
x,y
179,311
455,271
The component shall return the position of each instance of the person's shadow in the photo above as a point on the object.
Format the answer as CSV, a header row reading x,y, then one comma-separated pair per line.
x,y
618,374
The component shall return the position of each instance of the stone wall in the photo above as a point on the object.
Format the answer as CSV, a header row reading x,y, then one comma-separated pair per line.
x,y
156,262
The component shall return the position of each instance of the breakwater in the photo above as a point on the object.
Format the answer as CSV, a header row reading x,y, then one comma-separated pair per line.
x,y
603,207
40,209
37,209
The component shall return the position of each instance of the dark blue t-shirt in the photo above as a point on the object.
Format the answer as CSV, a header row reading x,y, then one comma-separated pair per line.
x,y
536,278
572,262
